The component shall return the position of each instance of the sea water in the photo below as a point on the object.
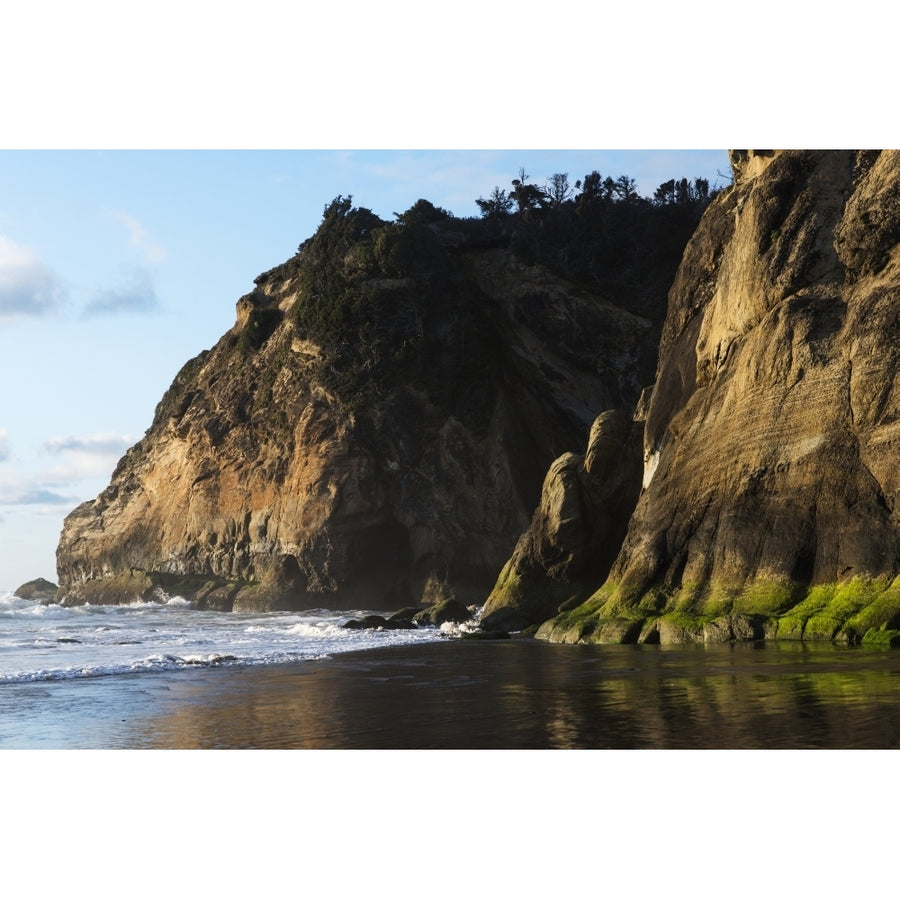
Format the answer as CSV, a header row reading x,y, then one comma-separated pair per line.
x,y
40,643
163,675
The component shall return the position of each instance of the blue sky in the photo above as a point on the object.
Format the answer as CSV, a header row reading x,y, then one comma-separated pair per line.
x,y
116,267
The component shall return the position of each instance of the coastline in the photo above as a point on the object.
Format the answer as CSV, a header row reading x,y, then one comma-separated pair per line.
x,y
478,695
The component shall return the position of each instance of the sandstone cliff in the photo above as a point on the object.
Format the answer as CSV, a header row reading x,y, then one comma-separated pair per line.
x,y
371,433
771,438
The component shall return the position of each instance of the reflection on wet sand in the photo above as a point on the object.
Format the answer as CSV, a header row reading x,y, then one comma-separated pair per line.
x,y
526,694
736,698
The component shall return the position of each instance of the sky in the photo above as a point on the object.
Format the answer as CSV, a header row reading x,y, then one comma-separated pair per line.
x,y
118,266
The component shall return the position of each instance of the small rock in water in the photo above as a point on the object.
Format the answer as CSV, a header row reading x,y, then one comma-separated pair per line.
x,y
403,618
445,611
492,634
38,589
366,622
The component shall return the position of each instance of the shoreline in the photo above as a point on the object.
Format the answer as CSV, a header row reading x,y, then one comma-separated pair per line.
x,y
478,695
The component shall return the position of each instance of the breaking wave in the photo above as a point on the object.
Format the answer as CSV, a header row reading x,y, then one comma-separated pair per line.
x,y
51,643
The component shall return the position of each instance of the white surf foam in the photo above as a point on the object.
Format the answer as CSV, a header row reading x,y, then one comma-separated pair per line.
x,y
43,643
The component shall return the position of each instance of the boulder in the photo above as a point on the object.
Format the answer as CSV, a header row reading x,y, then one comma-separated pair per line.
x,y
38,589
443,612
403,618
367,622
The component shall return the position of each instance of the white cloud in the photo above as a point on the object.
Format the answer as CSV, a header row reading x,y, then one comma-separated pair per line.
x,y
106,442
85,457
139,237
15,491
81,458
27,286
4,445
135,294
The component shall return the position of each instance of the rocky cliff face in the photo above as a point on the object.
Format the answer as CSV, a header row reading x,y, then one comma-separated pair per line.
x,y
576,530
373,431
770,487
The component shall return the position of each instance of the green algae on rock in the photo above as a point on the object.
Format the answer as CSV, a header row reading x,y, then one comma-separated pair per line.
x,y
861,610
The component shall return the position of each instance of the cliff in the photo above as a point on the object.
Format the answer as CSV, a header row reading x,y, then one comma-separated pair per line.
x,y
770,438
374,429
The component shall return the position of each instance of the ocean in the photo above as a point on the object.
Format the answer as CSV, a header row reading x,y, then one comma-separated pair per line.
x,y
164,676
41,643
50,656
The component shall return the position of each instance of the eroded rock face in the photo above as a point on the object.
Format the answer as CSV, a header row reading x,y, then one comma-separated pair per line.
x,y
273,478
575,532
771,444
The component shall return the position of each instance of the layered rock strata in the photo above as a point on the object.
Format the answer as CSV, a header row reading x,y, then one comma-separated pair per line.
x,y
770,493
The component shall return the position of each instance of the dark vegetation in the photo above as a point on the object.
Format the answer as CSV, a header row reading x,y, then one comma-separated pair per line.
x,y
394,306
264,319
391,302
600,233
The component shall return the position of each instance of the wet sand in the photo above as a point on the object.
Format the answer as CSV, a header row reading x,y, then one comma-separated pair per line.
x,y
516,694
449,695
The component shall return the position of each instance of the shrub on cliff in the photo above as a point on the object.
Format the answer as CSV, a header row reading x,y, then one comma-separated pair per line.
x,y
261,324
388,304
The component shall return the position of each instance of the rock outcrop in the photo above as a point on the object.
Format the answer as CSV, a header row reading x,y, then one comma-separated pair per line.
x,y
37,589
373,429
771,485
575,532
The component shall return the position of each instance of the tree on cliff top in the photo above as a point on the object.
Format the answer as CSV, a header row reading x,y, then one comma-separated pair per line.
x,y
497,206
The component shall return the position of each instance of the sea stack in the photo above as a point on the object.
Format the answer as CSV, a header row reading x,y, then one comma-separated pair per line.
x,y
373,431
